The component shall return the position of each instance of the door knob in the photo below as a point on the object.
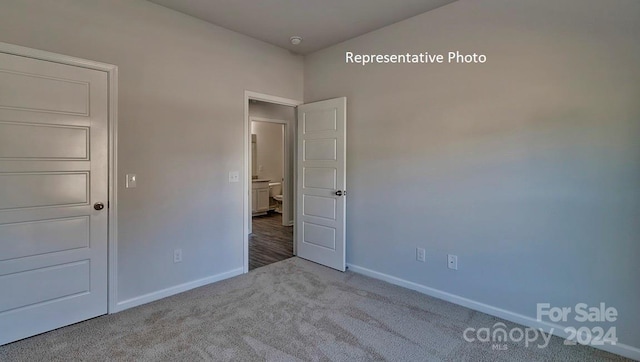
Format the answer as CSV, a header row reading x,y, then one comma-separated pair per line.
x,y
98,206
339,193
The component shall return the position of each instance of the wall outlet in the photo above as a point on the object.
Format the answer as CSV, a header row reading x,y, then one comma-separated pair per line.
x,y
452,262
420,254
177,256
234,176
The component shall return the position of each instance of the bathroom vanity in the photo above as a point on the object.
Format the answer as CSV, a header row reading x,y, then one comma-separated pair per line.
x,y
259,196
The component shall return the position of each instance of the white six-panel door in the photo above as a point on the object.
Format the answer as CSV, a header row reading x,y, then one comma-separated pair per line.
x,y
53,169
321,179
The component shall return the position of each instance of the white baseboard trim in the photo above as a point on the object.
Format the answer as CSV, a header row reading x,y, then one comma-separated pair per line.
x,y
548,327
167,292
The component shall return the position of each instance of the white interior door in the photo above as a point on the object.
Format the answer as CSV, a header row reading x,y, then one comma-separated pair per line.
x,y
53,169
321,182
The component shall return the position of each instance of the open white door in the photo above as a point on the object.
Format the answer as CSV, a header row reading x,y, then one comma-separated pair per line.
x,y
53,195
321,182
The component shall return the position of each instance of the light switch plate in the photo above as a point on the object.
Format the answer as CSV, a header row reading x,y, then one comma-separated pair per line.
x,y
234,176
131,181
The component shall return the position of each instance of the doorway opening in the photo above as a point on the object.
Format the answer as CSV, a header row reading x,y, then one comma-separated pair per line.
x,y
270,133
271,238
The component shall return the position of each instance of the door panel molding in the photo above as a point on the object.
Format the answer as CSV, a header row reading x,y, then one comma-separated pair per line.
x,y
48,95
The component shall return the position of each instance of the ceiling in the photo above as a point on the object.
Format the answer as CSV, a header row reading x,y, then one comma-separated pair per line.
x,y
321,23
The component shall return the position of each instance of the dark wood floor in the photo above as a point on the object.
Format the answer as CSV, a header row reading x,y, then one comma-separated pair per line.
x,y
270,241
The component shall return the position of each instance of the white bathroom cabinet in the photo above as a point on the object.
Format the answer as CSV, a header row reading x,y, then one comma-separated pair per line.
x,y
259,197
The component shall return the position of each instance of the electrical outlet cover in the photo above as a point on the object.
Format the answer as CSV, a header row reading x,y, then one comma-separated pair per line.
x,y
177,256
452,262
420,254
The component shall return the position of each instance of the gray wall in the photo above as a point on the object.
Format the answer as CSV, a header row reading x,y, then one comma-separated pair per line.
x,y
181,125
526,167
272,111
269,150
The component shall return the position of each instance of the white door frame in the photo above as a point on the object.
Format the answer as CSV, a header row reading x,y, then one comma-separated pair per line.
x,y
112,81
248,96
287,162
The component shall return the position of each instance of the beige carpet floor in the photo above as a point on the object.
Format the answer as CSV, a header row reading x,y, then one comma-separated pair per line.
x,y
287,311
